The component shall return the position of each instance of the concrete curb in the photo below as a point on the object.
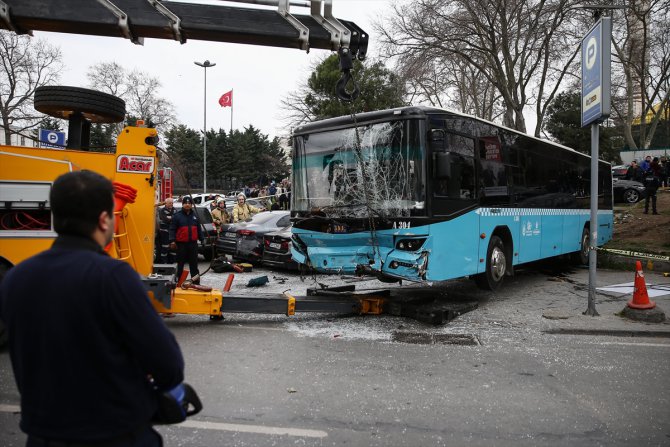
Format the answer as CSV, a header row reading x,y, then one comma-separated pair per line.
x,y
610,332
619,262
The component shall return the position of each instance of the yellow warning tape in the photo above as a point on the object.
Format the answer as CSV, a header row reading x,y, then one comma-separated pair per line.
x,y
636,254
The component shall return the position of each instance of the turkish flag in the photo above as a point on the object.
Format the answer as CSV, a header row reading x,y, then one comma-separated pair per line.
x,y
226,100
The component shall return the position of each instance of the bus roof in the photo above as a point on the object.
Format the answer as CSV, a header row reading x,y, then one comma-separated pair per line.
x,y
405,112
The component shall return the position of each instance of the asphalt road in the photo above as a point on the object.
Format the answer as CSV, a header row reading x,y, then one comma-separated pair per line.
x,y
320,380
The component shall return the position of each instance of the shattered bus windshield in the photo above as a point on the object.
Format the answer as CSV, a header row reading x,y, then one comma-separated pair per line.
x,y
344,173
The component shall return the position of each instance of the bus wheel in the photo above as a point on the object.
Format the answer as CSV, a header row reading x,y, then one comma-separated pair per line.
x,y
496,266
581,257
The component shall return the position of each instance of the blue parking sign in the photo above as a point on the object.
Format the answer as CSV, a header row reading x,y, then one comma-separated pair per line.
x,y
52,138
596,72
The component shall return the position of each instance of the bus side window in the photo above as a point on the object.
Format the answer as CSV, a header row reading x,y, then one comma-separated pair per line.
x,y
454,169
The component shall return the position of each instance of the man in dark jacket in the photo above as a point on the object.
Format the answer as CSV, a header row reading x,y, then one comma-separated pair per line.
x,y
82,364
634,172
185,232
165,216
652,181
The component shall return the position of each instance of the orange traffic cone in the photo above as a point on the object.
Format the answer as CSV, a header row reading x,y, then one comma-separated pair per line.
x,y
640,296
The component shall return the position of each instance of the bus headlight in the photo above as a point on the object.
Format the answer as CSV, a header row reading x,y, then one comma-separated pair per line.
x,y
410,244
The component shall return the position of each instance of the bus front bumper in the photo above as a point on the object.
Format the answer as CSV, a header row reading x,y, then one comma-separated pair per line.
x,y
377,261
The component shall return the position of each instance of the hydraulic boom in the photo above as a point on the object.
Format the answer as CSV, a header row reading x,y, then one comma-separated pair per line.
x,y
180,21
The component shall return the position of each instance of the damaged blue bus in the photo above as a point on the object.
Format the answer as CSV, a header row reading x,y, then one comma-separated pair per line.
x,y
425,194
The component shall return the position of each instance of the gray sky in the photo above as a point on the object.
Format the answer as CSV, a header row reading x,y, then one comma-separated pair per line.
x,y
259,76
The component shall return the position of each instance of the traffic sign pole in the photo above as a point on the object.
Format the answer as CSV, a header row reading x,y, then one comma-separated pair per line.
x,y
596,77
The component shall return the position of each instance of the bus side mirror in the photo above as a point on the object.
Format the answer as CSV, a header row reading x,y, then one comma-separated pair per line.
x,y
437,139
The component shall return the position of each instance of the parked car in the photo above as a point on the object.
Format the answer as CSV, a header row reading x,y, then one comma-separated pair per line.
x,y
208,247
619,171
277,249
202,199
627,191
244,240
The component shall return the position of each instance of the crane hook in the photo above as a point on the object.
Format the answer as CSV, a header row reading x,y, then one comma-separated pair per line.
x,y
346,64
341,87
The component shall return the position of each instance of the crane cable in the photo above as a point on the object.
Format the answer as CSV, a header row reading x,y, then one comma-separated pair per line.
x,y
350,98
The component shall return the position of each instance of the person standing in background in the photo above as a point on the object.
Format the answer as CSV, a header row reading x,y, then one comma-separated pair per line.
x,y
185,233
165,214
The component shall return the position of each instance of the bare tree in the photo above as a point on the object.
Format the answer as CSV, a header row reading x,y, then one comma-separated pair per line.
x,y
26,63
521,48
108,77
142,100
138,89
641,64
449,83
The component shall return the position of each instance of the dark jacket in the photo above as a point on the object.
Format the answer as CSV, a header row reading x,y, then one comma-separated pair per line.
x,y
185,227
83,338
636,174
653,176
165,215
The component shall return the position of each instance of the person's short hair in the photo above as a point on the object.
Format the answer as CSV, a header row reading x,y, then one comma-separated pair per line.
x,y
241,195
77,199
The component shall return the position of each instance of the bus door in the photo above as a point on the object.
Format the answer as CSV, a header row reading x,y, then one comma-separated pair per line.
x,y
453,193
453,181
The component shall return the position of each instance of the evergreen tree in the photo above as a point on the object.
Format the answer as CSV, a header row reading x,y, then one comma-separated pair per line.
x,y
185,155
380,89
564,124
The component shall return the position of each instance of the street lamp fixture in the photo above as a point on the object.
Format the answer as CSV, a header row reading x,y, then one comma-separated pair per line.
x,y
205,65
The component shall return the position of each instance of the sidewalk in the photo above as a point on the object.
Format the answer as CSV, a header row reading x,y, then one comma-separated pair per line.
x,y
537,303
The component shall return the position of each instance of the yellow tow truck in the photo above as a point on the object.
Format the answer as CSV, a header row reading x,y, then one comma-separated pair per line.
x,y
27,173
26,176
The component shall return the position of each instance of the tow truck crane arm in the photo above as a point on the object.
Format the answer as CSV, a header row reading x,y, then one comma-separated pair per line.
x,y
180,21
26,173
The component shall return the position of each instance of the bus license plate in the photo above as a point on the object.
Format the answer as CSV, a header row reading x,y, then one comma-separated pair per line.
x,y
275,245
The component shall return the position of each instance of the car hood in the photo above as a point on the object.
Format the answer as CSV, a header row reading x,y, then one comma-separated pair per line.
x,y
627,184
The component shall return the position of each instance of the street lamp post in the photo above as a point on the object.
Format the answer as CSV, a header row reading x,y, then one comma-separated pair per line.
x,y
205,65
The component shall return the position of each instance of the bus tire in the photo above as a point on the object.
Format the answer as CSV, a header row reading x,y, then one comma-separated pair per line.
x,y
496,266
581,257
97,107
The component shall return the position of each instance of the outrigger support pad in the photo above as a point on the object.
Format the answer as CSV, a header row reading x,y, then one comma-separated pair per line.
x,y
346,65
